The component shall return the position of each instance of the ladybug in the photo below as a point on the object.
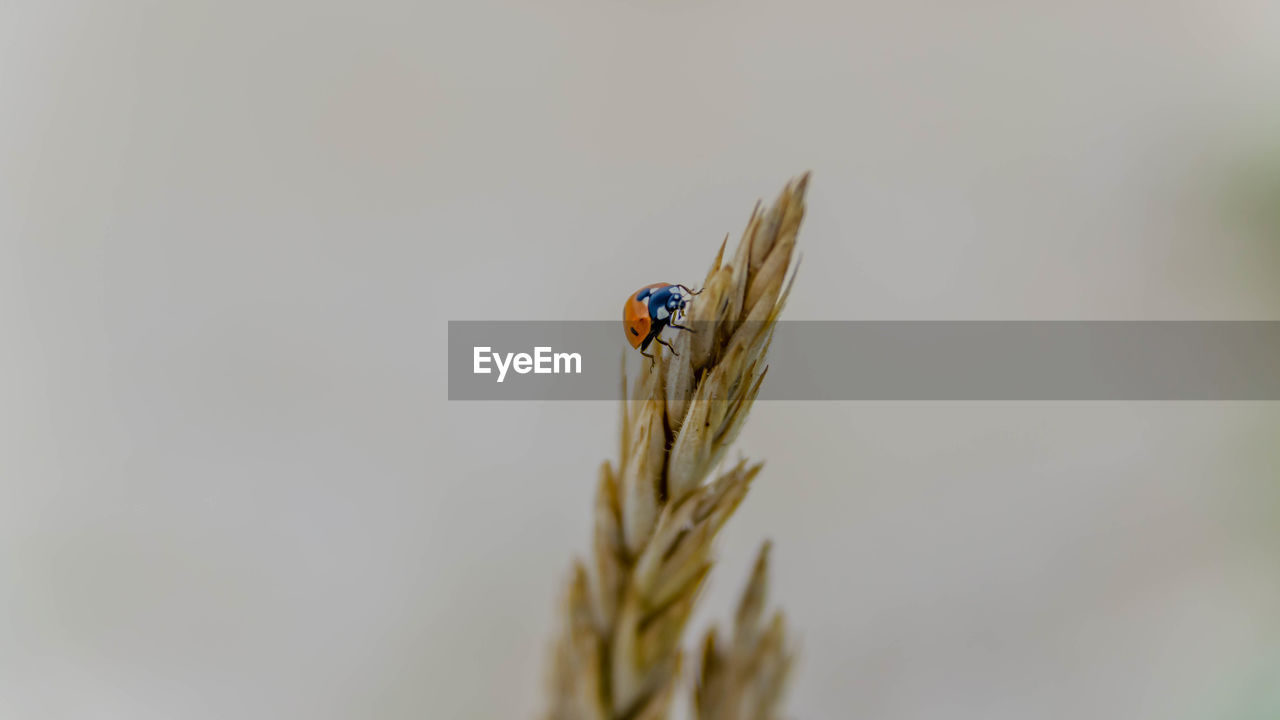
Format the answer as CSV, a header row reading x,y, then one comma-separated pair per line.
x,y
652,309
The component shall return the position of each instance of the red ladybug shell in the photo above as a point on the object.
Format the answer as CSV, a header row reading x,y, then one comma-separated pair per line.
x,y
635,316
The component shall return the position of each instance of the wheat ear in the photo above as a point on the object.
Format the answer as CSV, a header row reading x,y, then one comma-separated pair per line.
x,y
618,657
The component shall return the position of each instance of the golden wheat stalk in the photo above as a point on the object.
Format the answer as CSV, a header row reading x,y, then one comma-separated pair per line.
x,y
618,657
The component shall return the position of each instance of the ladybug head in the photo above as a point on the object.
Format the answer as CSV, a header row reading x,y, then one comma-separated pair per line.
x,y
677,301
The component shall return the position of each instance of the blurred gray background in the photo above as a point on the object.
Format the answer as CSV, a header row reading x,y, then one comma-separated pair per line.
x,y
231,235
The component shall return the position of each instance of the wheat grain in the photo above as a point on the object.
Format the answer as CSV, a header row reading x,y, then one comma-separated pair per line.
x,y
618,656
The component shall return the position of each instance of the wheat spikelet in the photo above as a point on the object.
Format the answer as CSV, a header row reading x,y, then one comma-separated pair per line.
x,y
744,680
618,657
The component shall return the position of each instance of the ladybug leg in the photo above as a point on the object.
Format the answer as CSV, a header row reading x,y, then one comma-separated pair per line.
x,y
680,327
691,292
645,346
668,346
